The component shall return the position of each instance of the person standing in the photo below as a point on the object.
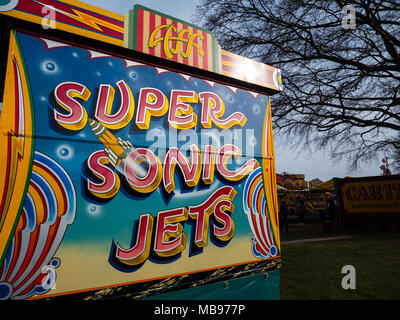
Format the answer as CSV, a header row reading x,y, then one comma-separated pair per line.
x,y
283,215
332,209
301,209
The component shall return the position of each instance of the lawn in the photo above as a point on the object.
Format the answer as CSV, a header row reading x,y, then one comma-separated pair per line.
x,y
313,270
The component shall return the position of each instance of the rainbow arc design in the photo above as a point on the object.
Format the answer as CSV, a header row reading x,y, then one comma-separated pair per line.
x,y
260,199
255,207
16,139
269,174
37,197
49,207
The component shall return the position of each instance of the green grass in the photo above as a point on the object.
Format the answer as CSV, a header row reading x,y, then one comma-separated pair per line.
x,y
313,270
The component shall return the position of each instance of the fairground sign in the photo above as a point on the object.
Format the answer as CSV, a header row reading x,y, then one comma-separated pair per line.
x,y
121,175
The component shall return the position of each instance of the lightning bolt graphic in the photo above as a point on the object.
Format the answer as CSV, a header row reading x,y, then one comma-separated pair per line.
x,y
16,154
15,147
86,19
16,159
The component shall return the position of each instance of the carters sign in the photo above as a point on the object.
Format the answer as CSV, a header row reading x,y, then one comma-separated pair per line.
x,y
370,195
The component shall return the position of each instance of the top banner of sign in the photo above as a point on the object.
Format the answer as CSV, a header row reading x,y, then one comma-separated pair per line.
x,y
147,31
160,35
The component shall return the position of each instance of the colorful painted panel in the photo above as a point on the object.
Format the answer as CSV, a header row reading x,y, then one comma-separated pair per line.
x,y
163,36
69,15
251,71
124,175
147,31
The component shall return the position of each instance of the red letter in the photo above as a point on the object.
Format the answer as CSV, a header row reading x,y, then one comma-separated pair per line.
x,y
110,181
350,193
105,102
168,226
191,170
213,108
148,181
376,192
224,154
202,212
152,102
181,115
65,93
363,193
209,164
226,232
140,252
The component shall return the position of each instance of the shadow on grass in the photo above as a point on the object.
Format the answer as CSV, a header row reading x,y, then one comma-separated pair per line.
x,y
312,270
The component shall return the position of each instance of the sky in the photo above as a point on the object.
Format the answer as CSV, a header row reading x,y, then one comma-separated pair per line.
x,y
312,165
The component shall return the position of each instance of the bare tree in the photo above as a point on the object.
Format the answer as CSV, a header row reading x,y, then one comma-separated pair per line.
x,y
340,67
396,161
